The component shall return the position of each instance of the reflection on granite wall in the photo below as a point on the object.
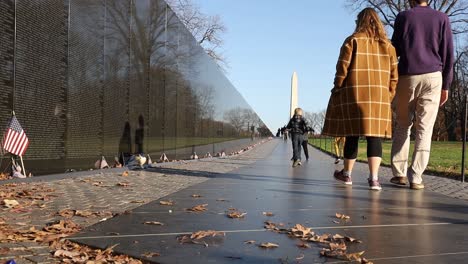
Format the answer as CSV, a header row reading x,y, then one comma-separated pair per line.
x,y
91,78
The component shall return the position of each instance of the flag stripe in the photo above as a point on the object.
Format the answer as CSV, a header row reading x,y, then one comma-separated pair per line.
x,y
19,142
7,137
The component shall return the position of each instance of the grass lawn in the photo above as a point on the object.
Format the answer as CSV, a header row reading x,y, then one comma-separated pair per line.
x,y
445,157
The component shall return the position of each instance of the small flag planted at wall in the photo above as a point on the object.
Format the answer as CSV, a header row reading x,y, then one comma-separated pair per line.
x,y
15,140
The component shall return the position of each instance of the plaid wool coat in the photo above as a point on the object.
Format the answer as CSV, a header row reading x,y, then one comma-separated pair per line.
x,y
364,86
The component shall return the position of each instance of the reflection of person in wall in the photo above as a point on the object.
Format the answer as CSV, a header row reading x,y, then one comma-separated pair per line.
x,y
125,144
139,135
252,131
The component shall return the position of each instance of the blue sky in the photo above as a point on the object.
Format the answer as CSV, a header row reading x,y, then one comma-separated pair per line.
x,y
266,40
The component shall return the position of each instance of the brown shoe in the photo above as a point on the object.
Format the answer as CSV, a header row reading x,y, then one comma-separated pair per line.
x,y
339,176
399,180
416,186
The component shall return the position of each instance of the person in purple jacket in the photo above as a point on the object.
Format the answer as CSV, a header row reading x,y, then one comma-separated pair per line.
x,y
423,40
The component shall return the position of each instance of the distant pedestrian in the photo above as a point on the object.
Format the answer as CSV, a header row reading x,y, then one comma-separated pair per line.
x,y
365,82
305,141
422,37
338,145
297,126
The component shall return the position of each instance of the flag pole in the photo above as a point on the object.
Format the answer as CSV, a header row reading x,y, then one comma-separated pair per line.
x,y
22,165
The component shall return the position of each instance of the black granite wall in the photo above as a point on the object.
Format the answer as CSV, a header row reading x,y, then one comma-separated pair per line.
x,y
91,78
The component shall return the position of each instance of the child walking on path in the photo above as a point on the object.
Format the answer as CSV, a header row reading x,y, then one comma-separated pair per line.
x,y
297,127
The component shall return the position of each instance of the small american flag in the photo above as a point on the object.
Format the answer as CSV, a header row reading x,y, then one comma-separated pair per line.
x,y
15,140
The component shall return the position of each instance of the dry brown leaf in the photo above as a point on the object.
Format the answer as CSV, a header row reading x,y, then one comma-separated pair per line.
x,y
270,225
153,223
123,184
301,231
125,174
151,255
300,257
97,183
268,245
303,245
338,236
208,233
351,239
84,213
342,216
7,203
337,246
138,201
166,202
268,214
236,214
366,261
196,196
250,242
198,208
65,253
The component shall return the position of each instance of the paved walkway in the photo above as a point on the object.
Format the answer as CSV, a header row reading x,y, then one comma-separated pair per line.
x,y
395,225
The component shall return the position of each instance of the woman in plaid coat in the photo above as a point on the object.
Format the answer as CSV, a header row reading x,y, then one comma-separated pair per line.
x,y
360,103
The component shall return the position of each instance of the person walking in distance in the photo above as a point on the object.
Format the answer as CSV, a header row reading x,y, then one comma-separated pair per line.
x,y
297,126
423,40
365,81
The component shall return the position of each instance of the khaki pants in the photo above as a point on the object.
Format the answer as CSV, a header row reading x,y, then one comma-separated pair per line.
x,y
338,143
416,103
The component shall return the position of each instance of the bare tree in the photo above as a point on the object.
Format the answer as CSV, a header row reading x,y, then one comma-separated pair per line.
x,y
457,10
206,29
235,118
316,120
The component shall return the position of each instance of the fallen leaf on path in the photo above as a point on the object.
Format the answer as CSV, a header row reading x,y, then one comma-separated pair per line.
x,y
198,208
9,203
166,202
153,223
366,261
123,184
351,239
301,231
268,214
125,174
84,213
196,196
342,216
337,246
300,257
65,253
268,245
303,245
151,254
250,242
138,201
236,214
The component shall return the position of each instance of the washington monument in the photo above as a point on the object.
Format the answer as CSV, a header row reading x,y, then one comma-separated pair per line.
x,y
293,94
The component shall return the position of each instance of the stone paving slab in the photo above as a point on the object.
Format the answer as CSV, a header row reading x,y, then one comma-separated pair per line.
x,y
146,186
100,192
397,225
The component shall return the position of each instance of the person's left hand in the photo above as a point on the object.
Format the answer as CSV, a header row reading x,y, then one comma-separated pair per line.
x,y
443,97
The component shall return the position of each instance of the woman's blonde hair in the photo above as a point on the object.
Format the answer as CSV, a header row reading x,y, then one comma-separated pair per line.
x,y
298,111
368,22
